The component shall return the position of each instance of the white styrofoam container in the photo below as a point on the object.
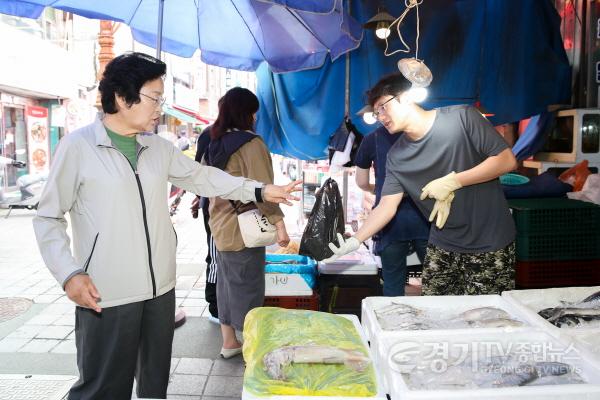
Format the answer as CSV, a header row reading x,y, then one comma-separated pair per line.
x,y
279,284
360,263
531,301
399,389
588,342
380,391
449,305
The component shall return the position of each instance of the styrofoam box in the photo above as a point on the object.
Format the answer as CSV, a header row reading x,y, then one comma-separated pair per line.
x,y
277,284
447,305
533,300
358,263
588,342
380,392
533,338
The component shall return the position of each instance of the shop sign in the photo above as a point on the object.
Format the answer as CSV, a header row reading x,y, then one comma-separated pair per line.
x,y
37,139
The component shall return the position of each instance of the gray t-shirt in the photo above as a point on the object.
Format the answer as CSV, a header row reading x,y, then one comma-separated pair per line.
x,y
459,139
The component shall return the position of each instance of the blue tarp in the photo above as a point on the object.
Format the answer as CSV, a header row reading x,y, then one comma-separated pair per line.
x,y
508,54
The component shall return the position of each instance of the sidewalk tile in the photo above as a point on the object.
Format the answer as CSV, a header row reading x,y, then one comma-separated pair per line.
x,y
55,332
27,331
66,319
10,345
196,294
189,302
59,309
46,298
174,363
39,346
42,319
232,367
64,300
186,384
65,347
194,311
194,366
223,386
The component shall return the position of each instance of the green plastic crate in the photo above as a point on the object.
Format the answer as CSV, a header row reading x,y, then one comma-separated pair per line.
x,y
577,246
557,216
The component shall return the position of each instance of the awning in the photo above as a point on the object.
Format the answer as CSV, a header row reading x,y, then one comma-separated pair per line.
x,y
191,113
182,116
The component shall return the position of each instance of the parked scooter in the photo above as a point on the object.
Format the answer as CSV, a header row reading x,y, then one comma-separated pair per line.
x,y
30,187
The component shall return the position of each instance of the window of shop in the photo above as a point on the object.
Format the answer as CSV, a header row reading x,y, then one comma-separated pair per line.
x,y
13,143
590,138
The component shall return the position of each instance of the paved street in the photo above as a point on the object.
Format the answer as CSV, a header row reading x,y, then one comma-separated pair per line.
x,y
37,321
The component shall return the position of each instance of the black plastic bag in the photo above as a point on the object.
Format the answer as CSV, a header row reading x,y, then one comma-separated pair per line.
x,y
325,222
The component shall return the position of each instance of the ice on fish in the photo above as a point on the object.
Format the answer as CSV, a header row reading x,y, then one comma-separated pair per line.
x,y
496,323
481,313
468,373
398,316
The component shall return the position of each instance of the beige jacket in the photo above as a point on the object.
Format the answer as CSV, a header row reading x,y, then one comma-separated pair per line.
x,y
251,161
122,233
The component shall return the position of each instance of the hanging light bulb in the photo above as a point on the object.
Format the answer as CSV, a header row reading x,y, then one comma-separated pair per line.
x,y
383,30
369,118
415,95
367,115
380,23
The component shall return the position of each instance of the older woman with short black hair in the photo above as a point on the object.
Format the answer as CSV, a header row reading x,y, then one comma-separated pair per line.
x,y
111,177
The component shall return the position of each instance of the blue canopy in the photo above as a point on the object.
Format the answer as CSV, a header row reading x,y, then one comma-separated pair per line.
x,y
507,54
290,35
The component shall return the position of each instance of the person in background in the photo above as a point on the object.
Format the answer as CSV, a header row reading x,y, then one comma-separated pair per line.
x,y
111,177
408,231
203,203
444,155
241,274
183,143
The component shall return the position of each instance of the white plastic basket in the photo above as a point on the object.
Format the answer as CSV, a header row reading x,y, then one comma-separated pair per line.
x,y
399,389
380,391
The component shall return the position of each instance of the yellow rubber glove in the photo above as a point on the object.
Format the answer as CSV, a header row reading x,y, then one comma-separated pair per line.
x,y
441,188
441,209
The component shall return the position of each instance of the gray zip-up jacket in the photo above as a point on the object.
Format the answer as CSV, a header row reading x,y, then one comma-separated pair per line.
x,y
122,233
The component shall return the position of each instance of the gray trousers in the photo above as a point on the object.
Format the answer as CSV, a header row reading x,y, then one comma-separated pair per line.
x,y
123,341
240,284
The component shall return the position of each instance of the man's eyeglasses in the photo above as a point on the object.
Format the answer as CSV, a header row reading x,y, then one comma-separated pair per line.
x,y
159,101
377,112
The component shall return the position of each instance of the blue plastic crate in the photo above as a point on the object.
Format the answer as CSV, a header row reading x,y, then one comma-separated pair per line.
x,y
293,264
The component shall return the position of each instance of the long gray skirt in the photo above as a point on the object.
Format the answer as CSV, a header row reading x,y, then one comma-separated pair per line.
x,y
240,284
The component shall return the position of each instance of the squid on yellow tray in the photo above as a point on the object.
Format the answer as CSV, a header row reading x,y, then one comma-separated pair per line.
x,y
300,352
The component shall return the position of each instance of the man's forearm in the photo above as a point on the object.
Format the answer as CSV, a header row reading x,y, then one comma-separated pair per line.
x,y
378,218
489,169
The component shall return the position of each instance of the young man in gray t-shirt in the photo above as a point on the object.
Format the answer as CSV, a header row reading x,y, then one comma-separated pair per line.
x,y
448,162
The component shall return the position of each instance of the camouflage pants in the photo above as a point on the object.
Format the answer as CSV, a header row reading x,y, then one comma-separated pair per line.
x,y
451,273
